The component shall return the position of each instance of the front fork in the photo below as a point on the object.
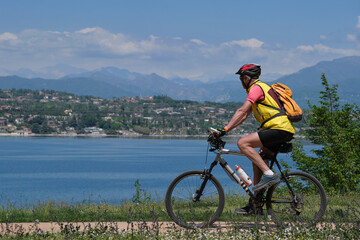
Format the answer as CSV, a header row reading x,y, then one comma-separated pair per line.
x,y
205,176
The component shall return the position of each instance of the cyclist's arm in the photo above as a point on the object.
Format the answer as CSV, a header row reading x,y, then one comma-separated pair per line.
x,y
240,115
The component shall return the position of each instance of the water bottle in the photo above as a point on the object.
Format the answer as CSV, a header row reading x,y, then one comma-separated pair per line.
x,y
246,179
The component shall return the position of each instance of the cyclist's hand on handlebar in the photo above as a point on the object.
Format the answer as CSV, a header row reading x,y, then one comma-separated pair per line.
x,y
218,132
222,132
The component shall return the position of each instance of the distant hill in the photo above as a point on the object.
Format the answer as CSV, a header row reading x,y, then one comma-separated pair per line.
x,y
345,72
113,82
78,86
177,88
100,84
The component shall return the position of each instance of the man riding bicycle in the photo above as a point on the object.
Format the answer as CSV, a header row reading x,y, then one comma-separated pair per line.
x,y
275,128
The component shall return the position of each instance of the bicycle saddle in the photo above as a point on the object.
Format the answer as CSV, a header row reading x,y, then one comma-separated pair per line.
x,y
286,147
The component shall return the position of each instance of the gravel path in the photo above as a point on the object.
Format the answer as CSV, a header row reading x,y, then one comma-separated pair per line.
x,y
53,227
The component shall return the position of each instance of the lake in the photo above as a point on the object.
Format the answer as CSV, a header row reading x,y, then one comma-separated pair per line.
x,y
36,169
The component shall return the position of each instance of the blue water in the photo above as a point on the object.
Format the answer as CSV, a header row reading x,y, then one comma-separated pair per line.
x,y
36,169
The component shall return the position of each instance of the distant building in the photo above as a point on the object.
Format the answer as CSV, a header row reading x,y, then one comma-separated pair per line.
x,y
94,130
3,122
207,109
19,120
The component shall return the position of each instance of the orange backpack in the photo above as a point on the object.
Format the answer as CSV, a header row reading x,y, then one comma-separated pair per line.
x,y
284,93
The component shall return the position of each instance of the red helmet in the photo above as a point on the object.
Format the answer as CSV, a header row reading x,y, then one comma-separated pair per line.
x,y
252,70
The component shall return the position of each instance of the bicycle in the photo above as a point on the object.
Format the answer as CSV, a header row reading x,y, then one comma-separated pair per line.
x,y
196,199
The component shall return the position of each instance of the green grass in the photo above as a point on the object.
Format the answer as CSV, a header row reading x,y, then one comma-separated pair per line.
x,y
344,208
51,211
341,221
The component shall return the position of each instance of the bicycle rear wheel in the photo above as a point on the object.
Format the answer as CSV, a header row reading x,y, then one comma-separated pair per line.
x,y
307,206
187,212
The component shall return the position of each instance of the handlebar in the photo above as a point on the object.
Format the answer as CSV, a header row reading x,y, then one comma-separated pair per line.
x,y
213,131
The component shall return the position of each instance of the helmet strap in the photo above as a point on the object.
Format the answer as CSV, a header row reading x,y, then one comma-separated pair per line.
x,y
249,81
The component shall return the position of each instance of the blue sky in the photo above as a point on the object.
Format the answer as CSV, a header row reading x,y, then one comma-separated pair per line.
x,y
196,39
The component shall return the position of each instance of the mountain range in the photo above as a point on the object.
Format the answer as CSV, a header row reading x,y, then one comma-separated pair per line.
x,y
112,82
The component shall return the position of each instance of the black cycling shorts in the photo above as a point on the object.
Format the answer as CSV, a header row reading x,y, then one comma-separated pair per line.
x,y
273,138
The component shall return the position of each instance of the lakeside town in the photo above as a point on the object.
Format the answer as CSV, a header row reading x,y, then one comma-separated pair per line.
x,y
46,112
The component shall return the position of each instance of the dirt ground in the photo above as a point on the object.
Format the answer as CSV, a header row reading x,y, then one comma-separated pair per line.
x,y
54,227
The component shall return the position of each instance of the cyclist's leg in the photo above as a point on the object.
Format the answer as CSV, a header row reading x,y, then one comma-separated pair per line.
x,y
247,145
257,172
270,140
267,139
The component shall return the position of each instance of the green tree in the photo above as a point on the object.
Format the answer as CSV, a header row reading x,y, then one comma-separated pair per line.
x,y
37,120
336,129
142,130
89,120
35,128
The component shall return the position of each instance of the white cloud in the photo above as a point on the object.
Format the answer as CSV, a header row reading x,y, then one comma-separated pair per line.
x,y
87,30
326,49
103,42
8,37
351,37
250,43
305,48
197,41
96,47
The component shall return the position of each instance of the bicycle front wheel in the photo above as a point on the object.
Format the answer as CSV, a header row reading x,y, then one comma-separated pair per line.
x,y
304,206
182,205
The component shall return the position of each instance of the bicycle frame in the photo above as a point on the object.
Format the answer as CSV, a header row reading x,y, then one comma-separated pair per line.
x,y
233,175
230,172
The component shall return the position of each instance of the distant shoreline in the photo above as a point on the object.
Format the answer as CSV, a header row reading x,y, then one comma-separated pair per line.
x,y
232,137
111,136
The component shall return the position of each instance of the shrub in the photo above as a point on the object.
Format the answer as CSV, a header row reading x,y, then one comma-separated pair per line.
x,y
336,129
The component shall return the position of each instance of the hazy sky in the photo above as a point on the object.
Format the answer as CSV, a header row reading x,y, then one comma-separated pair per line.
x,y
196,39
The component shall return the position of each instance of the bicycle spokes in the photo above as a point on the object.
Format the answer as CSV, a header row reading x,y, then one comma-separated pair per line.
x,y
192,206
305,205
